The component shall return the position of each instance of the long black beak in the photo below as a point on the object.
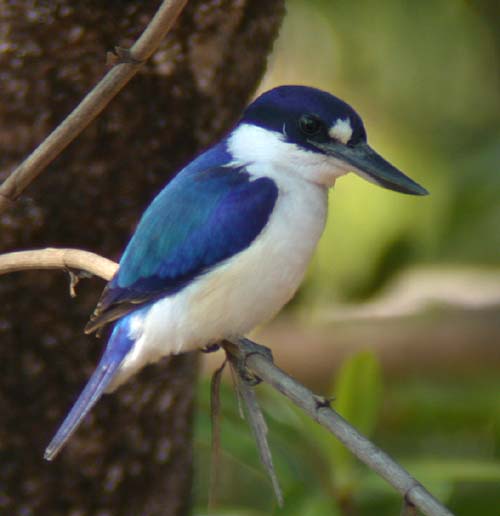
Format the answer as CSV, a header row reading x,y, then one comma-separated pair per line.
x,y
373,167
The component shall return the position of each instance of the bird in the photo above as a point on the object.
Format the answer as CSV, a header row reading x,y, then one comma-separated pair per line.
x,y
226,243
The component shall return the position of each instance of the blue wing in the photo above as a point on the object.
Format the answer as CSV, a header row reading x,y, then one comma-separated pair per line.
x,y
206,214
117,349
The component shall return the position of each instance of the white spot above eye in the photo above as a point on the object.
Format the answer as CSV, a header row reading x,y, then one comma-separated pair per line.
x,y
341,130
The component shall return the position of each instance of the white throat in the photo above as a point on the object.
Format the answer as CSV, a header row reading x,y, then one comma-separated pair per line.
x,y
253,145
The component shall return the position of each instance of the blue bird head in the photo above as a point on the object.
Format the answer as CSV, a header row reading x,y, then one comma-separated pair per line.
x,y
315,123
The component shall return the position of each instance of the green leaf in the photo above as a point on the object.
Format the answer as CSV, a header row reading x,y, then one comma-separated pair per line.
x,y
455,470
305,502
358,394
358,391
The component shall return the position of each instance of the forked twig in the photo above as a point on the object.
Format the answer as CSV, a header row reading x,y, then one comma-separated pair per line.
x,y
215,424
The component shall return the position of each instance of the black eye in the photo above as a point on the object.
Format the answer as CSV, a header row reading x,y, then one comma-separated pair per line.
x,y
310,125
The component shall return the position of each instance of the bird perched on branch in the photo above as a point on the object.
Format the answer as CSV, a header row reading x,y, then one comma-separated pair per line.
x,y
226,243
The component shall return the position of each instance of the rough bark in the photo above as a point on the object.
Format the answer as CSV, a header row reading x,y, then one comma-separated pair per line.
x,y
133,453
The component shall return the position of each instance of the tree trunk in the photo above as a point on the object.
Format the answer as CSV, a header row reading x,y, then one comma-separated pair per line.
x,y
133,453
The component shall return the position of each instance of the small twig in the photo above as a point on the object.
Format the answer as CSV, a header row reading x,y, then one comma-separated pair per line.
x,y
215,423
360,446
74,279
257,424
93,103
262,366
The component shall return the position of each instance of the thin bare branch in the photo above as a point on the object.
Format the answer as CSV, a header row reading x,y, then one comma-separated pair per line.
x,y
52,258
261,365
93,103
321,412
215,423
258,425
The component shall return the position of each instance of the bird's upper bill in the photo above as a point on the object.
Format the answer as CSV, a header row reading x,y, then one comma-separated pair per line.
x,y
372,166
317,122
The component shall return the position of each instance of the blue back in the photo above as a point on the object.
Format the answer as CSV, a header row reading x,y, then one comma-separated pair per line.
x,y
209,212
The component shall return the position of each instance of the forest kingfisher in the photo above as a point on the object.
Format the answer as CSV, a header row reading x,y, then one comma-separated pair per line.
x,y
226,243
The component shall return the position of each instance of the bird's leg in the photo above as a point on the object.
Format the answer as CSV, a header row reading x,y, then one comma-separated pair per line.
x,y
238,352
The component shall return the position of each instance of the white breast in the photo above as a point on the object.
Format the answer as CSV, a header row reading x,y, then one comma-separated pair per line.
x,y
255,284
249,288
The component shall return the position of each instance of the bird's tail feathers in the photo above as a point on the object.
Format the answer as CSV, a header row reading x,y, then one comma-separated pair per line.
x,y
117,349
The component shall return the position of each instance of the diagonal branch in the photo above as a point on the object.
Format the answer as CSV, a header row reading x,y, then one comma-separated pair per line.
x,y
93,103
260,363
318,408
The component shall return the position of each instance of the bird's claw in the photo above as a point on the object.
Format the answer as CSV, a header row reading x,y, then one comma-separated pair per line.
x,y
239,352
251,379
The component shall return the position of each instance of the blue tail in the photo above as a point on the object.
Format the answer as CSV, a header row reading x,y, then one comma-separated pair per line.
x,y
117,349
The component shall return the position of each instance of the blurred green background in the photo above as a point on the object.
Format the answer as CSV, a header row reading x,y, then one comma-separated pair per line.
x,y
399,318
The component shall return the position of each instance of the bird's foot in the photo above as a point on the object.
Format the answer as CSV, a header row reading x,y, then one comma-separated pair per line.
x,y
211,348
238,352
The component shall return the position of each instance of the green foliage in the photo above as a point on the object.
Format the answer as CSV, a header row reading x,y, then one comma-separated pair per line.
x,y
358,397
451,443
424,76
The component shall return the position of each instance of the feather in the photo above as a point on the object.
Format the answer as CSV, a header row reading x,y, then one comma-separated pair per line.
x,y
204,216
118,347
